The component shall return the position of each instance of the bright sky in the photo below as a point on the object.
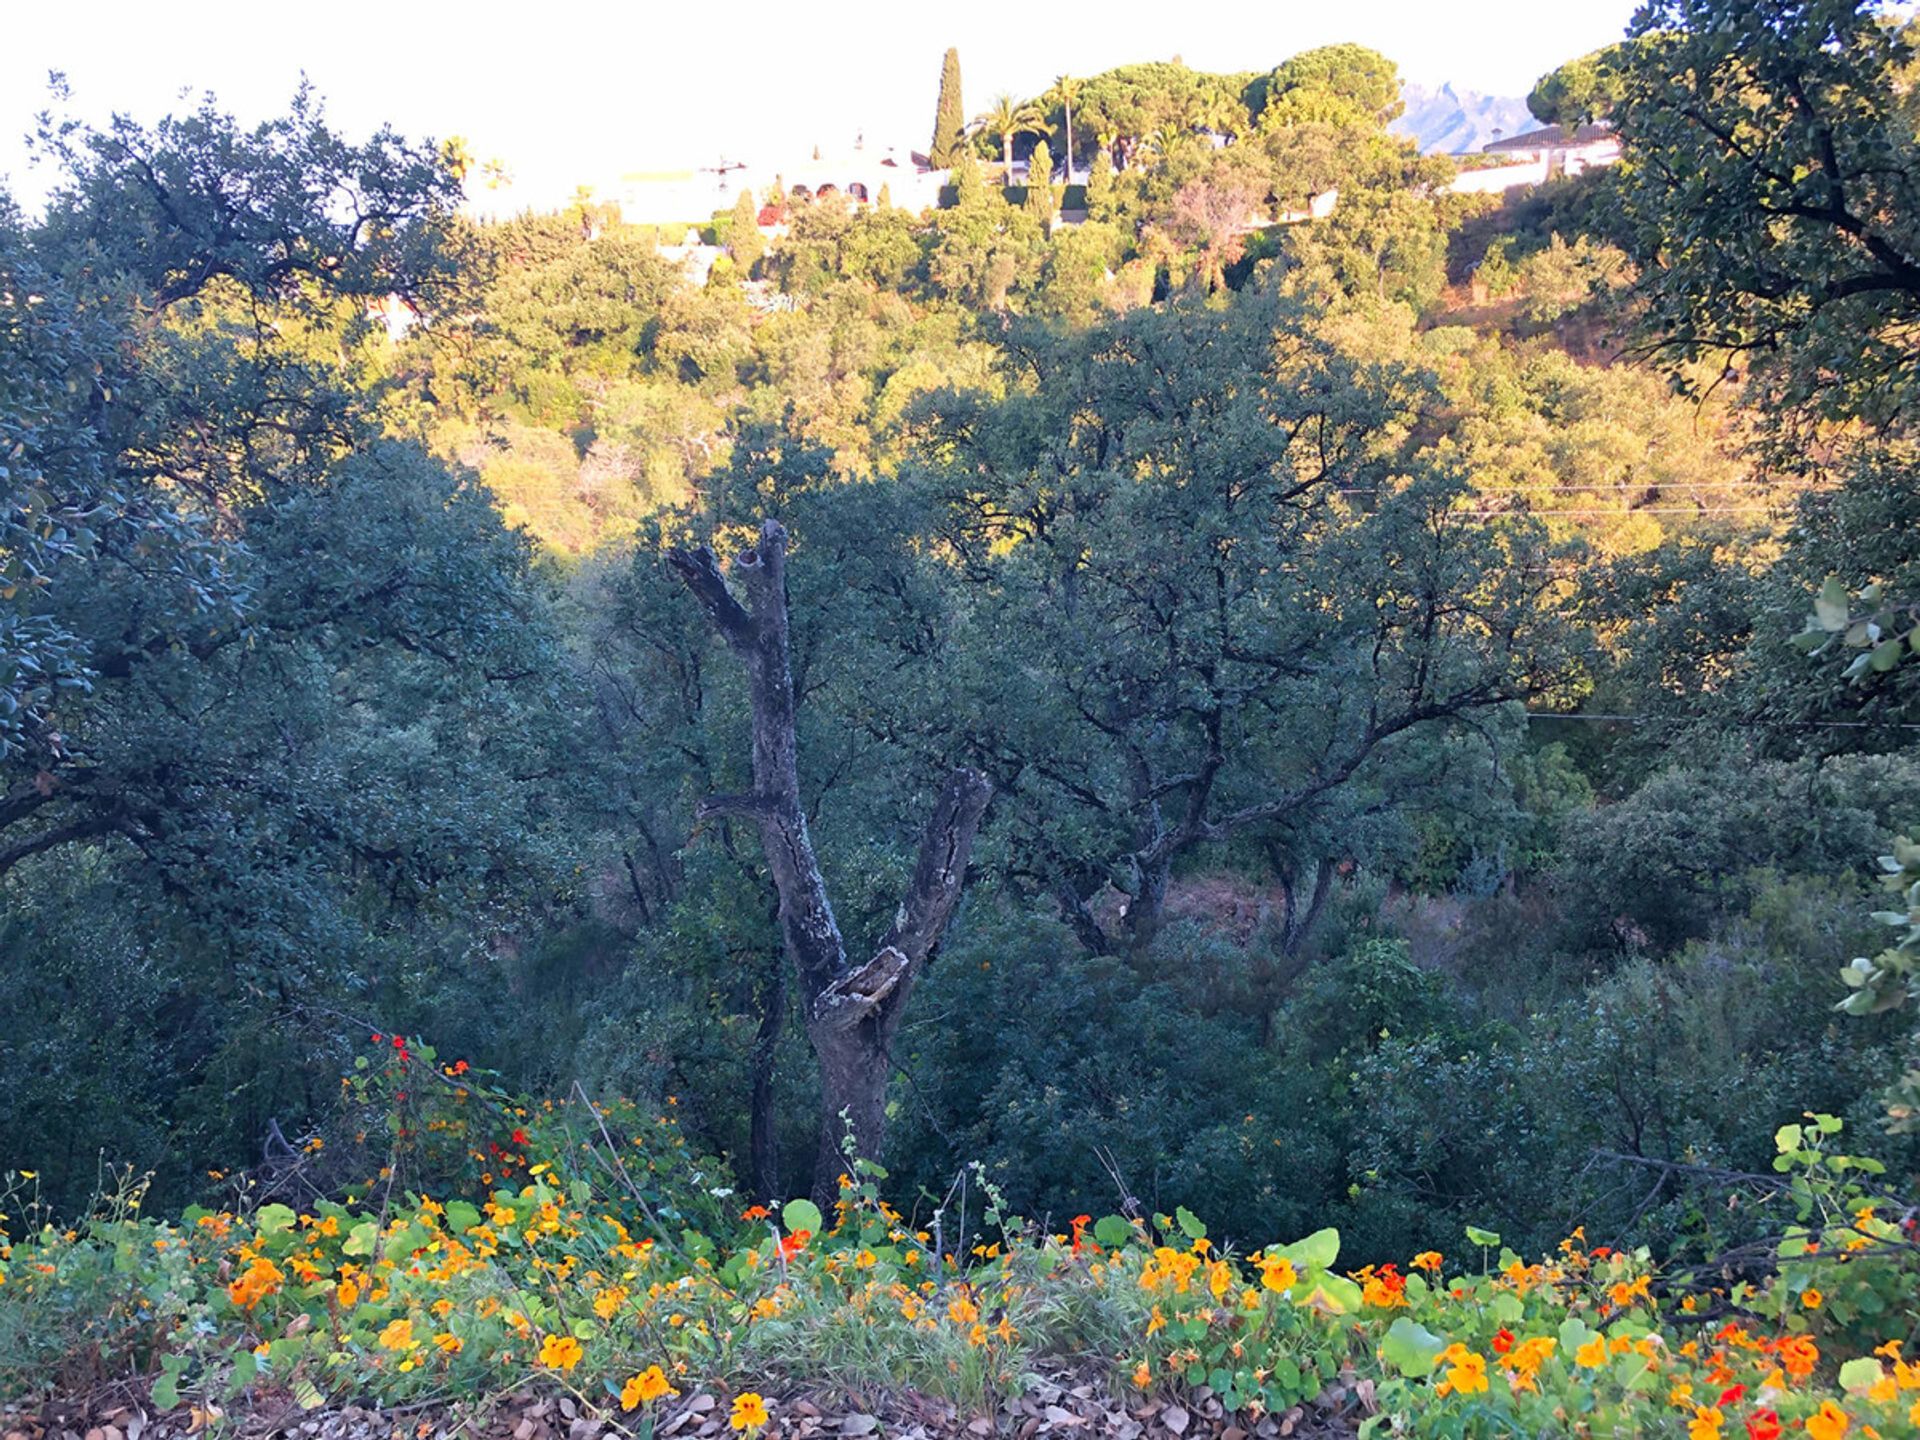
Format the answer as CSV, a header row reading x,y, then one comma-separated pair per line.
x,y
568,93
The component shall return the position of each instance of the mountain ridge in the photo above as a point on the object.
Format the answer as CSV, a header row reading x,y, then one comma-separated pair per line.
x,y
1443,119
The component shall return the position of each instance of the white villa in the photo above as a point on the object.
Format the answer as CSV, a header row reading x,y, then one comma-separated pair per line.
x,y
1536,156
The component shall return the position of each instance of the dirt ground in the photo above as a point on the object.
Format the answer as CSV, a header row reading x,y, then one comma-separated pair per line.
x,y
1059,1403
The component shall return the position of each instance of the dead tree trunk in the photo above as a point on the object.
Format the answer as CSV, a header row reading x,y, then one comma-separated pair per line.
x,y
852,1011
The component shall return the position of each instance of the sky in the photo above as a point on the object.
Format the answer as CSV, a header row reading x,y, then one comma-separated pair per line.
x,y
566,94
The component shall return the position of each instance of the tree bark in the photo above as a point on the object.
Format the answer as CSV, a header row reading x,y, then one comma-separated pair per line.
x,y
852,1012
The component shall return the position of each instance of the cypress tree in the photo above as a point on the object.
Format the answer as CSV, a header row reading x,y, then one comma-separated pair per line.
x,y
950,117
1100,186
1040,183
744,242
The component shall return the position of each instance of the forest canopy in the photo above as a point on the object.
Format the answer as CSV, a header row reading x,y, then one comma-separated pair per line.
x,y
1228,677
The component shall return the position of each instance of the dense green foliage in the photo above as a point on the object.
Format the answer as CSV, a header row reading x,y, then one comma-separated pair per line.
x,y
1411,808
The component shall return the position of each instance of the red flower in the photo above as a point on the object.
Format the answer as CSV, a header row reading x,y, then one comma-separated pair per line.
x,y
1080,1223
1502,1341
378,1037
519,1137
755,1212
460,1067
794,1243
1731,1395
1601,1252
1763,1425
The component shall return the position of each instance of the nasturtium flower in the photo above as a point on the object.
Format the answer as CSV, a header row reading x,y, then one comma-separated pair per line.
x,y
749,1412
642,1389
1624,1293
560,1352
1829,1422
1811,1298
1428,1260
1798,1356
398,1335
1466,1371
1593,1354
1706,1423
449,1343
1763,1425
1278,1273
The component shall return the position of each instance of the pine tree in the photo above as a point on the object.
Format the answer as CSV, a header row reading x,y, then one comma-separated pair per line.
x,y
1040,183
949,119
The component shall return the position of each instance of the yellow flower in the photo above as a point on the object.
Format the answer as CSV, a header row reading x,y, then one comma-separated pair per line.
x,y
1278,1273
963,1311
560,1352
749,1412
1467,1372
1593,1354
451,1344
1142,1376
1219,1278
649,1385
1829,1422
1706,1423
398,1335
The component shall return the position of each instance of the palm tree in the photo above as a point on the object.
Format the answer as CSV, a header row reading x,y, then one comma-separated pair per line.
x,y
1068,89
1009,118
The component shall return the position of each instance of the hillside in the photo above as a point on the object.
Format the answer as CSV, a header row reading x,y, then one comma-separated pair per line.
x,y
1256,797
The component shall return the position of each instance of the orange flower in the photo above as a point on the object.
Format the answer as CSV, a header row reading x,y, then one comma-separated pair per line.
x,y
749,1412
1278,1274
649,1385
1829,1422
1798,1355
1428,1260
560,1352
